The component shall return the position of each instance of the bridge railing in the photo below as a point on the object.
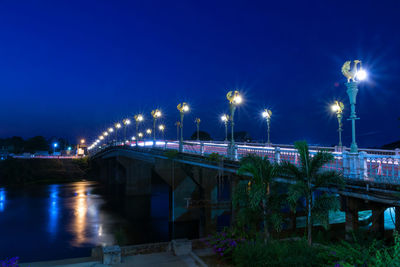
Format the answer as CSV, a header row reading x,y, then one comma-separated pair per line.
x,y
369,165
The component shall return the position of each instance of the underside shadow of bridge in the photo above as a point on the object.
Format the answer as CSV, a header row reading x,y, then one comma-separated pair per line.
x,y
176,199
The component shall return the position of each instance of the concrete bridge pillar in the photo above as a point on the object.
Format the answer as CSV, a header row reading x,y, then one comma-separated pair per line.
x,y
138,177
351,207
378,220
351,220
277,154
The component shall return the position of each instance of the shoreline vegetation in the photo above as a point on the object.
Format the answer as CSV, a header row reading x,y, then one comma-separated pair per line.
x,y
25,172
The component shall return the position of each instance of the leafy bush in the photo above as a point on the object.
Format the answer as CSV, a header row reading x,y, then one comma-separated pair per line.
x,y
362,253
223,243
215,157
171,154
278,253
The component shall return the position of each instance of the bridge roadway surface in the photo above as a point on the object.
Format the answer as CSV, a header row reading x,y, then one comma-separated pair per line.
x,y
366,188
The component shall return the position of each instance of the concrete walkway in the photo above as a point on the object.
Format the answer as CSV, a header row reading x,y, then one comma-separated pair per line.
x,y
163,259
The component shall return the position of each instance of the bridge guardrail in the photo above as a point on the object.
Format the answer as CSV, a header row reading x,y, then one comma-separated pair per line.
x,y
372,165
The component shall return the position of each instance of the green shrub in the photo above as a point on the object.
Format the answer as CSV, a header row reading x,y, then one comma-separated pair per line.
x,y
364,252
278,253
224,242
215,157
171,154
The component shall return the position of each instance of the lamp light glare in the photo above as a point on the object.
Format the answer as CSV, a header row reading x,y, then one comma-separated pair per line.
x,y
361,75
238,99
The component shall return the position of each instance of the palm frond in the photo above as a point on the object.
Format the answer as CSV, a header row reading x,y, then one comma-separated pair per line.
x,y
328,178
319,160
302,149
290,170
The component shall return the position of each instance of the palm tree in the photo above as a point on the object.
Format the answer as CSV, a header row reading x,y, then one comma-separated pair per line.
x,y
310,178
259,195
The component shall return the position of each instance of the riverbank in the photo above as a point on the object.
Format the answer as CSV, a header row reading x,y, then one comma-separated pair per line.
x,y
21,172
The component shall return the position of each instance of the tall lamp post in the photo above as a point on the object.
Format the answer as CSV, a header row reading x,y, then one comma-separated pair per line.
x,y
267,115
110,130
338,107
55,145
117,126
140,136
354,76
156,114
161,127
182,107
138,119
234,99
148,132
126,122
197,121
177,124
225,119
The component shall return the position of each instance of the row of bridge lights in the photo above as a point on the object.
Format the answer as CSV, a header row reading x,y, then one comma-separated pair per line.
x,y
235,99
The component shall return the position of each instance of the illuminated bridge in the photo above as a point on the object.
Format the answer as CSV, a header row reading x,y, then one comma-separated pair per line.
x,y
374,166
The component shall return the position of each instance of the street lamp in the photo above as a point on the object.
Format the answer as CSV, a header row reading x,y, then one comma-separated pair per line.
x,y
338,107
55,145
83,141
148,132
161,127
117,126
126,122
138,119
354,76
156,114
225,119
197,121
267,115
177,124
234,99
182,107
140,135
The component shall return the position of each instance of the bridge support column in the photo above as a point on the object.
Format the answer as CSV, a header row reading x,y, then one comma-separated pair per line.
x,y
397,219
378,220
351,221
351,207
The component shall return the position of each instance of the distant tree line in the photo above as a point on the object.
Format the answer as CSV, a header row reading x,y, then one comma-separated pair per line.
x,y
17,144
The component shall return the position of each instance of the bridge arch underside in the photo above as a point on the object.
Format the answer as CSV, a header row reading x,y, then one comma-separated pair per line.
x,y
198,197
200,192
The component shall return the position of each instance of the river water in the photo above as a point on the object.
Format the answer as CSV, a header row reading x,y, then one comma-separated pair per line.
x,y
49,222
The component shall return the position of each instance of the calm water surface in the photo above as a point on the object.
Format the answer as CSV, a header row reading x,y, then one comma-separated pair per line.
x,y
59,221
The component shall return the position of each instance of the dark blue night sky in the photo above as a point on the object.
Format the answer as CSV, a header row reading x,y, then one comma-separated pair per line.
x,y
71,68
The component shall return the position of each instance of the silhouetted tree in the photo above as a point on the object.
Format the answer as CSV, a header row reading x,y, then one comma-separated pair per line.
x,y
37,143
204,136
241,136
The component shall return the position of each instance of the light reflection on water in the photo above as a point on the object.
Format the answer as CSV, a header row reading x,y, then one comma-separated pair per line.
x,y
2,199
54,221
